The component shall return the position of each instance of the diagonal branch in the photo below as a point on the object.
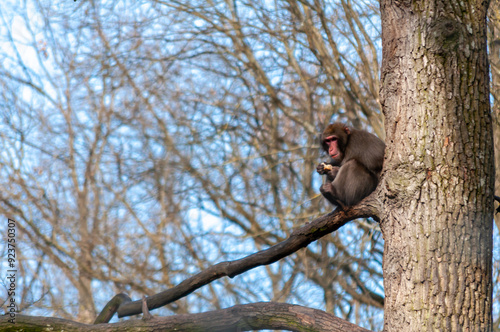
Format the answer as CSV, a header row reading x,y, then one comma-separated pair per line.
x,y
300,238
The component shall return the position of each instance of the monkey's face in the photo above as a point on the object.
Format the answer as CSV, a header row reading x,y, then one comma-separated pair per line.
x,y
331,145
334,140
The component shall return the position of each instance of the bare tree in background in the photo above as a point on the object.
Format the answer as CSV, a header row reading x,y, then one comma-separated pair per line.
x,y
149,140
153,139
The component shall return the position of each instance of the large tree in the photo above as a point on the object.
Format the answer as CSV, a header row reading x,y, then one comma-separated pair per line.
x,y
437,187
435,199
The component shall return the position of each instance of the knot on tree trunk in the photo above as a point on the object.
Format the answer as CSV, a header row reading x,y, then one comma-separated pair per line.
x,y
443,36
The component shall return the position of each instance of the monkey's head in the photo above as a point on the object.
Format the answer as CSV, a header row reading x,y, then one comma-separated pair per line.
x,y
334,141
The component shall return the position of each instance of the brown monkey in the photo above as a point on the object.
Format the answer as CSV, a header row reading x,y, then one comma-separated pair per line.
x,y
356,161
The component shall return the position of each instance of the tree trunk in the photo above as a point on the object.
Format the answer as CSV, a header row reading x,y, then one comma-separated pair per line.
x,y
439,172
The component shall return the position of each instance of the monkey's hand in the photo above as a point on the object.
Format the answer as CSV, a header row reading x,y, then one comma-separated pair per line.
x,y
324,168
328,170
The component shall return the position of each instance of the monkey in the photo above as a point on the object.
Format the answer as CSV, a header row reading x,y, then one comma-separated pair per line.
x,y
356,160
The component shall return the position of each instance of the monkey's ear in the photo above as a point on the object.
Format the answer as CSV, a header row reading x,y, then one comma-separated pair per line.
x,y
347,130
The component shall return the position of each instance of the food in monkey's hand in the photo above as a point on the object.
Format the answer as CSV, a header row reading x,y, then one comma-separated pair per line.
x,y
327,167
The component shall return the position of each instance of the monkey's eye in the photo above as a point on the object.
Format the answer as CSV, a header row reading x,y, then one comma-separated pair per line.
x,y
330,139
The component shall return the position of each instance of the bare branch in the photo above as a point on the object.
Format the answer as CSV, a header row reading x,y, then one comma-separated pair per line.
x,y
111,307
247,317
300,238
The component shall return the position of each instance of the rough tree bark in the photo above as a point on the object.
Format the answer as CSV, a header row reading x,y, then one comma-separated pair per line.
x,y
438,180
